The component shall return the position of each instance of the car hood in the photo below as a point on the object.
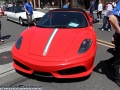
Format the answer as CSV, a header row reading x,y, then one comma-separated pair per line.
x,y
52,41
36,14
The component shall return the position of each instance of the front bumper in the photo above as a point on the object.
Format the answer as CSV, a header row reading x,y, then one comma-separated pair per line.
x,y
71,69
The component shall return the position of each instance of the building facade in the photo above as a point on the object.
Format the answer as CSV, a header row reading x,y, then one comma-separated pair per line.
x,y
74,3
60,3
85,4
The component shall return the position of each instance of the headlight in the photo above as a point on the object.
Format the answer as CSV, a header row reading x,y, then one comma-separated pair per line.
x,y
85,46
19,41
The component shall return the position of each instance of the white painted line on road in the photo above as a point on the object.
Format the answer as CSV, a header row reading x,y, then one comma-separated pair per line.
x,y
6,68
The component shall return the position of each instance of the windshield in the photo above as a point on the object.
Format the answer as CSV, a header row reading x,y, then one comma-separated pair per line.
x,y
63,20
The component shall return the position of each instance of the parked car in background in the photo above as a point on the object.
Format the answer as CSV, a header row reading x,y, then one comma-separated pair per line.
x,y
18,14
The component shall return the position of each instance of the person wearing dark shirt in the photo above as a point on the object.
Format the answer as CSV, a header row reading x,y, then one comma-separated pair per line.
x,y
115,19
92,7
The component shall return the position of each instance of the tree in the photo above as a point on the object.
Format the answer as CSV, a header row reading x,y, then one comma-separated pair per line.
x,y
6,1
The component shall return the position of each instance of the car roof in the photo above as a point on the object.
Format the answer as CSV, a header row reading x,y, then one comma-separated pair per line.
x,y
69,9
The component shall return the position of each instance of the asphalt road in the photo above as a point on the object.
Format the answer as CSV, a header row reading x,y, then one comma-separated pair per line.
x,y
100,79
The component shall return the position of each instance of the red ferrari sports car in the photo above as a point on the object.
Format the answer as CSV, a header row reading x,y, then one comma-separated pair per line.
x,y
61,45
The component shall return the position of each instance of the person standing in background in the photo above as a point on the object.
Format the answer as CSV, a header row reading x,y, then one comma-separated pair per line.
x,y
109,7
29,12
82,2
92,7
53,4
41,5
66,5
9,5
48,5
5,7
99,12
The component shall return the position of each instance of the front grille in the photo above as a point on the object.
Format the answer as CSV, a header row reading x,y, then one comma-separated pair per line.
x,y
42,74
74,70
21,65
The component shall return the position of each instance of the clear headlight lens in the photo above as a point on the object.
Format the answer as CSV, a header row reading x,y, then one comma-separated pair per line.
x,y
85,46
19,42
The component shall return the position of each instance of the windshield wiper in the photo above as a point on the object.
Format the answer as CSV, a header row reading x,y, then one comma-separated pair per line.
x,y
60,26
40,26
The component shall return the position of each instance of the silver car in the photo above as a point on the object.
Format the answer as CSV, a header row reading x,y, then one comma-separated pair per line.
x,y
18,14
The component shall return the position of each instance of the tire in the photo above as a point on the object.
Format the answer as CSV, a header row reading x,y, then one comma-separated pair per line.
x,y
21,22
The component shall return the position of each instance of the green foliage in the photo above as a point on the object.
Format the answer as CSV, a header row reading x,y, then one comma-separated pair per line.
x,y
6,1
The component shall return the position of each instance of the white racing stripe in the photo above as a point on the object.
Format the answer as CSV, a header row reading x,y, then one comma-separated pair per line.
x,y
49,42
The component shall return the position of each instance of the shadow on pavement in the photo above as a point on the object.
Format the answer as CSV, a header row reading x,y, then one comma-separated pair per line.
x,y
111,50
6,37
102,68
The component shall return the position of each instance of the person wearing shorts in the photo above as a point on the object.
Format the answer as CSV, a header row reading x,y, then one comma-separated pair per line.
x,y
29,18
29,12
92,7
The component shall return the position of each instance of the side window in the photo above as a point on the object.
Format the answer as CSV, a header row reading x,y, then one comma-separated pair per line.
x,y
15,9
20,9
